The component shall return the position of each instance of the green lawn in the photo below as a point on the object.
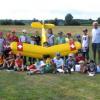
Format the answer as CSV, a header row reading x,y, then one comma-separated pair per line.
x,y
20,86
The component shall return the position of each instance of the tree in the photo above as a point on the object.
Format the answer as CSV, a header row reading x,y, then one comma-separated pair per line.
x,y
68,19
75,22
56,21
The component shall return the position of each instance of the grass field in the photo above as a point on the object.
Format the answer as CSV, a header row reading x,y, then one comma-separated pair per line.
x,y
65,29
20,86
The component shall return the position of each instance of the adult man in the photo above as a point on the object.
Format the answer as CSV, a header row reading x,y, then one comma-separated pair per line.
x,y
96,41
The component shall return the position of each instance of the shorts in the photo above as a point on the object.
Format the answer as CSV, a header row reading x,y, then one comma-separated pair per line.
x,y
96,46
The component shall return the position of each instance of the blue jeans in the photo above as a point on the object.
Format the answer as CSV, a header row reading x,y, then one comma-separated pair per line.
x,y
96,48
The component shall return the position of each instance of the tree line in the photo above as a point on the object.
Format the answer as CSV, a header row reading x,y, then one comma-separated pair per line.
x,y
69,20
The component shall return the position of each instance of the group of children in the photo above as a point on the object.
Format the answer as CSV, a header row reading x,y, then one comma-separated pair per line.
x,y
73,62
58,64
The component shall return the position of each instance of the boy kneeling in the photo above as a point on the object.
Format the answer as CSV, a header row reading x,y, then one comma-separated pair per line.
x,y
19,63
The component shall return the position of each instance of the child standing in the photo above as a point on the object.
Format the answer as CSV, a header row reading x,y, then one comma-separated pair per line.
x,y
85,44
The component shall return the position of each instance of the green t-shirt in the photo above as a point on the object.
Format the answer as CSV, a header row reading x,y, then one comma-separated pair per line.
x,y
60,40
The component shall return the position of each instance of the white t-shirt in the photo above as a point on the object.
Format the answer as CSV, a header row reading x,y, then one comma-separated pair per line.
x,y
96,35
1,44
22,38
50,39
85,41
42,63
58,62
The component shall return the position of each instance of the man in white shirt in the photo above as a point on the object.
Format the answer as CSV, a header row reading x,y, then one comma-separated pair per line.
x,y
96,41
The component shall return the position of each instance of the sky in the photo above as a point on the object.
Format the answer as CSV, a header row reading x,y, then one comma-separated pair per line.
x,y
49,9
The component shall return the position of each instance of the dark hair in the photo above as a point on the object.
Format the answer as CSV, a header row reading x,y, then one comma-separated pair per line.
x,y
50,29
92,61
46,56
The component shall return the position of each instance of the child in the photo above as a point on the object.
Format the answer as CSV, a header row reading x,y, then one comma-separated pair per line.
x,y
33,40
83,66
2,42
9,61
38,38
68,36
79,57
70,63
46,64
19,63
34,68
45,44
1,61
91,68
78,37
60,39
85,44
59,63
50,37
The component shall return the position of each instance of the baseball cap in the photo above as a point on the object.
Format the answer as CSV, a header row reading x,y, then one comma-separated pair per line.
x,y
60,33
58,54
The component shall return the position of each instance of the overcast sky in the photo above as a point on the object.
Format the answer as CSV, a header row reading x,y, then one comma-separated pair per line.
x,y
48,9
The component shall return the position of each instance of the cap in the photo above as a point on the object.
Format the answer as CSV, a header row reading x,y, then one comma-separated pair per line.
x,y
24,31
58,54
60,33
78,35
71,55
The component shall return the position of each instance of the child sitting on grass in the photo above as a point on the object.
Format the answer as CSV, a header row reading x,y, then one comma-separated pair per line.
x,y
9,61
34,68
43,66
59,63
83,66
19,63
91,68
70,63
46,64
79,57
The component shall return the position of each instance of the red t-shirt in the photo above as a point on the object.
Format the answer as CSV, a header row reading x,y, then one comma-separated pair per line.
x,y
80,58
14,38
32,67
19,62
